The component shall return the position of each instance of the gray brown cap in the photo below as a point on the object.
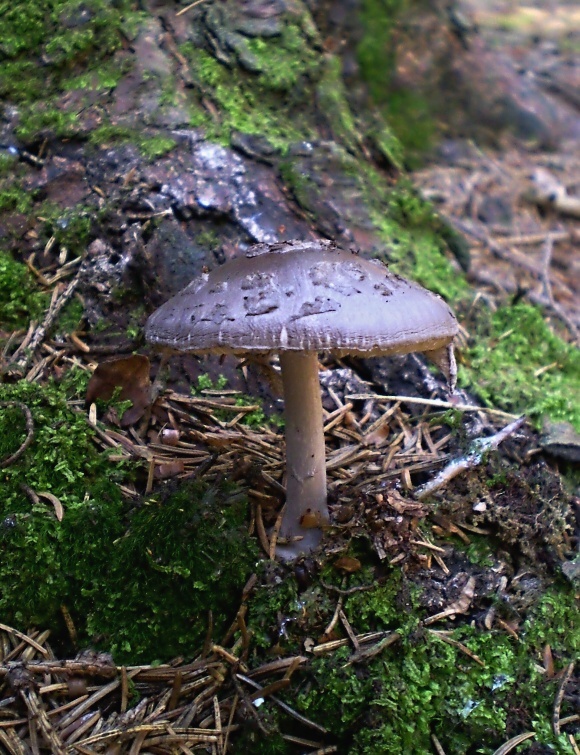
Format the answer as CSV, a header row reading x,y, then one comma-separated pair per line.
x,y
303,296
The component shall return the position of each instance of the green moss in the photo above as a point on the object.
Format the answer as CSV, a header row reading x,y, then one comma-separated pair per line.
x,y
205,383
333,103
108,134
412,233
410,117
15,199
107,76
300,184
375,54
70,316
150,146
386,143
511,347
70,227
42,116
243,104
422,685
8,164
287,61
20,298
62,34
208,239
141,582
184,554
57,46
407,113
479,551
156,146
45,561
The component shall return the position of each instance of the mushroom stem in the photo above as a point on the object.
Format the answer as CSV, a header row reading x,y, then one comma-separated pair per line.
x,y
305,454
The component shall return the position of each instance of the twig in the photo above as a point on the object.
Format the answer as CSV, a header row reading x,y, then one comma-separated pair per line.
x,y
37,714
349,630
457,644
523,262
438,403
24,638
437,745
545,278
469,461
286,708
29,433
22,358
366,653
334,619
349,590
189,7
559,698
514,742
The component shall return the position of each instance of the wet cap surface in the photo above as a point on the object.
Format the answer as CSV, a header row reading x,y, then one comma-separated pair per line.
x,y
302,296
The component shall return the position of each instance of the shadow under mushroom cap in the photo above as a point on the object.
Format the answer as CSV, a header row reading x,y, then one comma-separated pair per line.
x,y
302,296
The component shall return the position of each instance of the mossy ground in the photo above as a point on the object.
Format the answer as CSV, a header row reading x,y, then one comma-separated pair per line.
x,y
421,685
138,578
21,299
522,365
248,103
72,39
514,359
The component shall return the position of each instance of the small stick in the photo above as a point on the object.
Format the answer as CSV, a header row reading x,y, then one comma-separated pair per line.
x,y
348,591
436,403
276,532
286,708
244,632
230,721
29,433
469,461
437,745
261,530
175,690
514,742
348,628
189,7
37,714
456,644
24,638
22,360
559,698
367,653
334,619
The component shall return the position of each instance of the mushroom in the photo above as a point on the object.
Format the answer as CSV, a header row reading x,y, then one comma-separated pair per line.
x,y
296,299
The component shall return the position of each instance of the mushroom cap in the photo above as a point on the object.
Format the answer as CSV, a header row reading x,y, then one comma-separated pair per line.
x,y
302,296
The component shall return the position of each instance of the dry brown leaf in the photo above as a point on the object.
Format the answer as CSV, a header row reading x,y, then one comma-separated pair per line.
x,y
461,605
347,564
404,505
131,376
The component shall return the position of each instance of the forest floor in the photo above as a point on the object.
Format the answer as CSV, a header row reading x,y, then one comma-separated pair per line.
x,y
484,570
